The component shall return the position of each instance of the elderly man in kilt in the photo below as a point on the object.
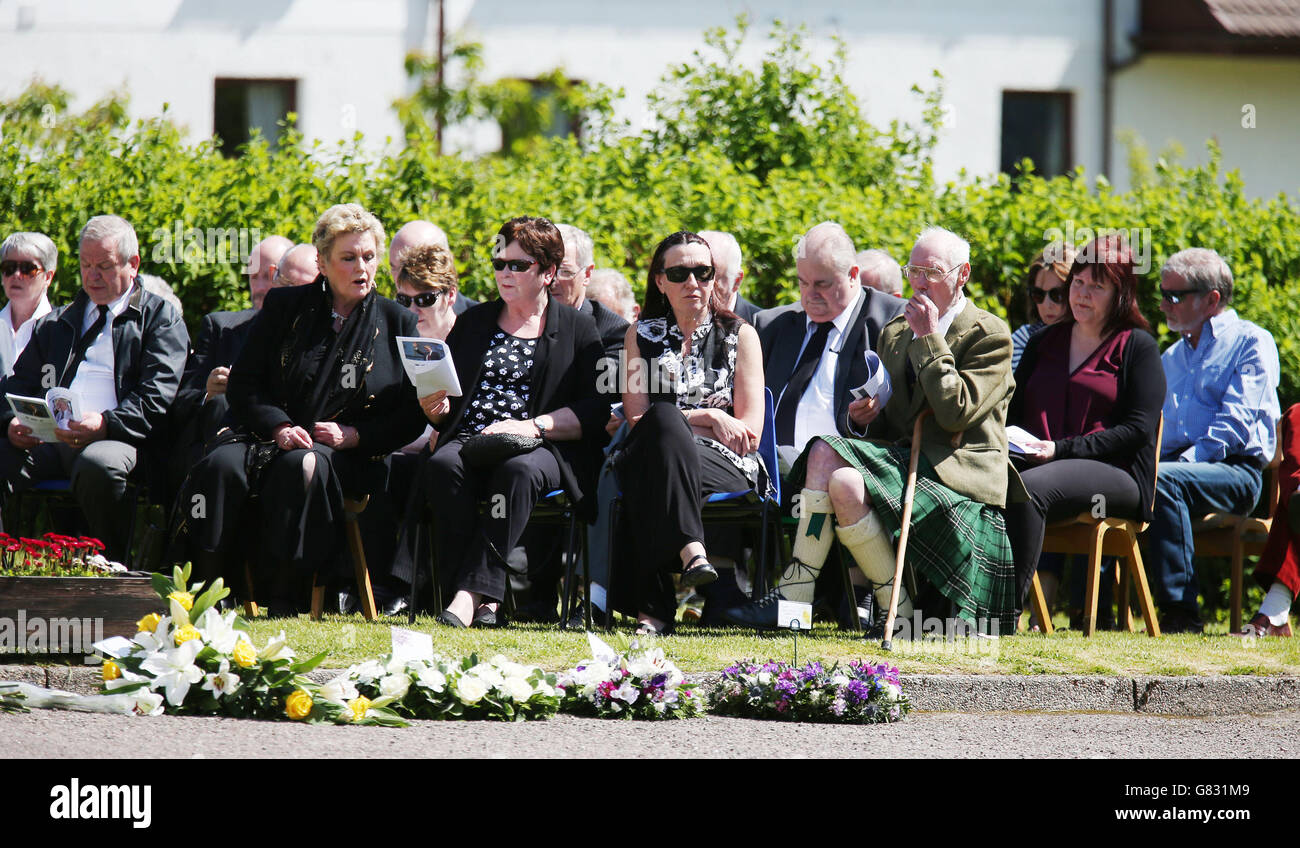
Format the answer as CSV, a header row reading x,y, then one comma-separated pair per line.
x,y
946,355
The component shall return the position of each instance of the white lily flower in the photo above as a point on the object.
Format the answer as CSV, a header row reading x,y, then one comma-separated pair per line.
x,y
339,690
395,665
223,682
219,630
627,693
276,649
395,686
148,703
158,639
174,670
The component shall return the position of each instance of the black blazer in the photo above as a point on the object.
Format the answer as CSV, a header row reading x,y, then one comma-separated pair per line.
x,y
565,373
610,326
221,339
149,347
1129,440
782,337
385,412
746,310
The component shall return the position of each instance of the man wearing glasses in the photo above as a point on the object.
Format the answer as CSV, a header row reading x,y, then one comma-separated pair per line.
x,y
1221,413
570,287
27,263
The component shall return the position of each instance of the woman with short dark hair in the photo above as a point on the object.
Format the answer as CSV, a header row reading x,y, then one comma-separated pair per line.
x,y
527,367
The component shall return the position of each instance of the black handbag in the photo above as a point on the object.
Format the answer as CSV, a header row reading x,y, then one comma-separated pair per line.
x,y
488,450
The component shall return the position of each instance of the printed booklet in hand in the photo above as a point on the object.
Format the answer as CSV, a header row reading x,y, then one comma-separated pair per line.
x,y
57,409
428,363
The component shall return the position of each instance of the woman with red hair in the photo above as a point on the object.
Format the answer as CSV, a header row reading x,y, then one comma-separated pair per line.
x,y
1090,389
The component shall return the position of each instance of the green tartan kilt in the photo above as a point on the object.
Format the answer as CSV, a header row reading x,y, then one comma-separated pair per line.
x,y
959,545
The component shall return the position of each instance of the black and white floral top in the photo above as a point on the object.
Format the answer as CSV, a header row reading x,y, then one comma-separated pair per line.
x,y
504,387
701,379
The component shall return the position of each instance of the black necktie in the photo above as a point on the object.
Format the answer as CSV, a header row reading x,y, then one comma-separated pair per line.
x,y
799,380
83,344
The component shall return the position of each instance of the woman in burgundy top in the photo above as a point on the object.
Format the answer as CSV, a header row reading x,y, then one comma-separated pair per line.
x,y
1090,389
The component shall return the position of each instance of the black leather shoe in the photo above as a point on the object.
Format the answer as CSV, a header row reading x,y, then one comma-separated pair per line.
x,y
450,619
489,618
698,575
1180,621
393,606
578,619
760,614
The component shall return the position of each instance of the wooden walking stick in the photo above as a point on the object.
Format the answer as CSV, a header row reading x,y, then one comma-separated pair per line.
x,y
909,491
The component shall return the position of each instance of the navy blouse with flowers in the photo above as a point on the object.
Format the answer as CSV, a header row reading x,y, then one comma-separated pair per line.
x,y
504,386
701,379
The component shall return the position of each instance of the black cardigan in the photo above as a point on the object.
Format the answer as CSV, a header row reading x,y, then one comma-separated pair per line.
x,y
1129,438
564,375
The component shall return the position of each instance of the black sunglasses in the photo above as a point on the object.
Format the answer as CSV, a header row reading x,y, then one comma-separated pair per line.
x,y
1177,297
25,268
679,273
422,300
517,265
1058,295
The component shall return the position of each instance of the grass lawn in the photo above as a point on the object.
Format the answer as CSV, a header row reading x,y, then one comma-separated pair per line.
x,y
695,649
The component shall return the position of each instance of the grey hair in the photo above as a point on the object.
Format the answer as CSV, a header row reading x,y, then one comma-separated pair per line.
x,y
891,274
829,239
38,243
1203,269
608,282
103,227
729,255
952,247
584,252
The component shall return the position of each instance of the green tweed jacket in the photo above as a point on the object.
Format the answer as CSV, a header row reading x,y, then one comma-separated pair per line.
x,y
965,378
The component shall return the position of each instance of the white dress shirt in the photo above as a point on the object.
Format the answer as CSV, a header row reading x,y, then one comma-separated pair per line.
x,y
13,341
95,382
815,415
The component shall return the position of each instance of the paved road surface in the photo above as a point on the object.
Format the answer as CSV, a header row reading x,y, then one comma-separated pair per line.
x,y
52,734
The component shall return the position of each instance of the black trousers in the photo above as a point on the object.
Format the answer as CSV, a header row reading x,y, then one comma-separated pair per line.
x,y
98,474
1059,490
664,476
474,544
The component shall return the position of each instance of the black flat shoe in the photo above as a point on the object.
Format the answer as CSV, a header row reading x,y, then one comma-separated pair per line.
x,y
760,614
698,575
450,619
489,618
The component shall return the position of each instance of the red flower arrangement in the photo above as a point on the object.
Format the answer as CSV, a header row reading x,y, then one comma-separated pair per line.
x,y
52,555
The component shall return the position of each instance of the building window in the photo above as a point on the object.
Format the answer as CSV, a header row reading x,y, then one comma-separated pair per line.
x,y
536,110
242,105
1037,125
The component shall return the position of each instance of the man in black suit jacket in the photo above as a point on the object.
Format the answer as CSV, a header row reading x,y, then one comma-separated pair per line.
x,y
728,274
570,287
814,354
416,233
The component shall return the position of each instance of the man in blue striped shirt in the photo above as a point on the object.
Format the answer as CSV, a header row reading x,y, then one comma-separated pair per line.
x,y
1221,415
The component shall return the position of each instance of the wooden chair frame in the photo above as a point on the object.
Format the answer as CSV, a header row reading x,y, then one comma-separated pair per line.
x,y
1096,537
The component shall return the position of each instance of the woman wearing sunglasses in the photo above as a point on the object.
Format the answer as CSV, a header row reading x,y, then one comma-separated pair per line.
x,y
694,398
527,368
1090,388
27,262
1047,296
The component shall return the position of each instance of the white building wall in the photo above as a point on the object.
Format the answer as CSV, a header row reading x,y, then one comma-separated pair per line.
x,y
1188,99
347,56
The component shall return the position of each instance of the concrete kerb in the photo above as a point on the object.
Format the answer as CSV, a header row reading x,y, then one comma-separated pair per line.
x,y
1216,695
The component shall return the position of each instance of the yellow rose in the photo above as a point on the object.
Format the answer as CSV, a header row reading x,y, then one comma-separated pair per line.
x,y
298,705
110,671
359,705
185,599
186,633
244,654
149,622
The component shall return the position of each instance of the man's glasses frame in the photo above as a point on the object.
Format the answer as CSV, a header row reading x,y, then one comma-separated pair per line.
x,y
932,275
1178,296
